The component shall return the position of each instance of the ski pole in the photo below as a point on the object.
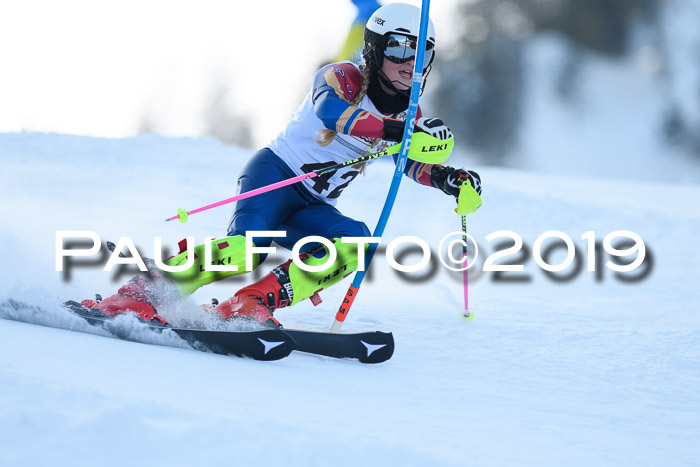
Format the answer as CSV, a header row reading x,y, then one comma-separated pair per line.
x,y
468,202
411,114
467,314
183,215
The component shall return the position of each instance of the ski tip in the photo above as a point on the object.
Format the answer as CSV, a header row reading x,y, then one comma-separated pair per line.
x,y
379,347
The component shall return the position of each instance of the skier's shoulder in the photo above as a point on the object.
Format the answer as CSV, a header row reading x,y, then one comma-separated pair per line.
x,y
344,77
344,68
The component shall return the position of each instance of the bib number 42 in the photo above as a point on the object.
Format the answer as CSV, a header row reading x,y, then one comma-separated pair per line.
x,y
322,184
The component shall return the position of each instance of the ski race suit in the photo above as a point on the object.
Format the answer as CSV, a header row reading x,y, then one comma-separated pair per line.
x,y
308,208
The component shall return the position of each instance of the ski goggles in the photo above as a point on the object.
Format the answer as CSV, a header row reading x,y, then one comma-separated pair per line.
x,y
401,49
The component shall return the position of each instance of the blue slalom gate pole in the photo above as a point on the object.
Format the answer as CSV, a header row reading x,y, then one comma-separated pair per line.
x,y
398,172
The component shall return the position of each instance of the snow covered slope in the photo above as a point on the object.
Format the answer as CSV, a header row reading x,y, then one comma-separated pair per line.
x,y
595,370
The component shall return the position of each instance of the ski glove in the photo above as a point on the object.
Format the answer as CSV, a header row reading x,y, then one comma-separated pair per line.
x,y
393,128
434,127
450,180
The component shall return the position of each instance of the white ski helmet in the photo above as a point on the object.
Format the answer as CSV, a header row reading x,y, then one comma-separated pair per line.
x,y
395,19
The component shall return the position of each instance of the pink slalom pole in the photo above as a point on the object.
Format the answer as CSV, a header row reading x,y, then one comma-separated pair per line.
x,y
251,193
466,284
182,214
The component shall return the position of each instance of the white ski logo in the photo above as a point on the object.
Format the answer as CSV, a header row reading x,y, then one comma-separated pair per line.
x,y
371,348
270,345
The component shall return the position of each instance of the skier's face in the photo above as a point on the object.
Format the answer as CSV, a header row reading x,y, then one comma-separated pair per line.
x,y
400,74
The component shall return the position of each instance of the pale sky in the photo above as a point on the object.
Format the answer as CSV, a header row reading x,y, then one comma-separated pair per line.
x,y
101,68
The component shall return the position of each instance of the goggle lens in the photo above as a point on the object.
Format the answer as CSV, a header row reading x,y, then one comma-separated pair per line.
x,y
401,49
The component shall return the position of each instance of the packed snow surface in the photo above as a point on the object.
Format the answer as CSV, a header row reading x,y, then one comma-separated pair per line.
x,y
600,368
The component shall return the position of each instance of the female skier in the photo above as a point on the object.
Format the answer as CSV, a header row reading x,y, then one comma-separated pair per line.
x,y
350,110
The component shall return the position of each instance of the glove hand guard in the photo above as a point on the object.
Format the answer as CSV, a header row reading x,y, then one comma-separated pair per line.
x,y
432,141
465,186
427,149
468,200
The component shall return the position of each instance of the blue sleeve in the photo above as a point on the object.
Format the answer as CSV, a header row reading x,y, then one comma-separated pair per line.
x,y
335,88
329,107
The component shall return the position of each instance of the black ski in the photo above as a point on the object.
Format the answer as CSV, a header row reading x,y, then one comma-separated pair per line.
x,y
367,347
261,345
265,344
